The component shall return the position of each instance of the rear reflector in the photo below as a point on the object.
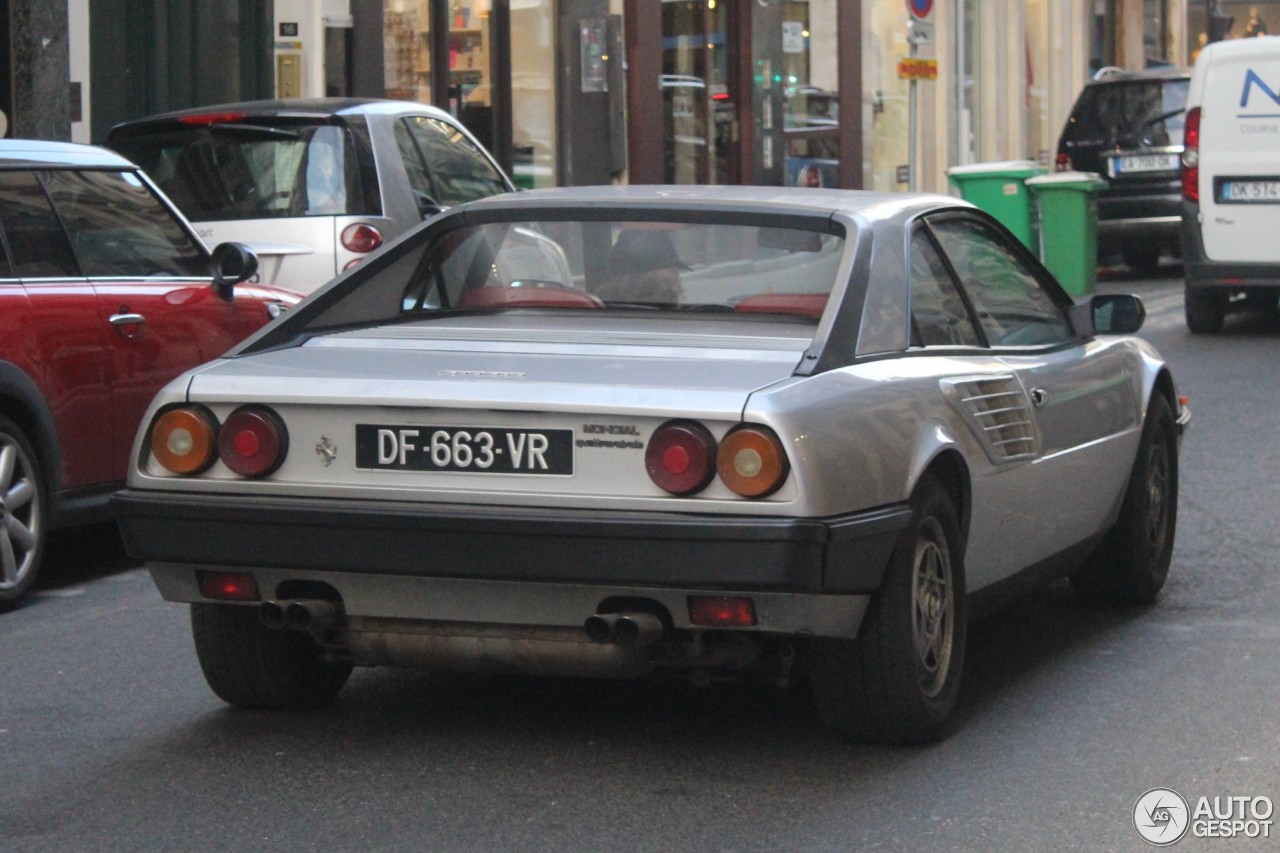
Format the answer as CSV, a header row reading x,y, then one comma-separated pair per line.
x,y
228,586
713,612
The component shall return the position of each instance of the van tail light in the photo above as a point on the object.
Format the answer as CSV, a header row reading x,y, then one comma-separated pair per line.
x,y
752,461
680,457
253,442
361,237
1191,156
183,439
1063,163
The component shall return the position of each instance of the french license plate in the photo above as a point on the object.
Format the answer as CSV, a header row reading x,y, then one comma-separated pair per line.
x,y
1252,190
479,450
1131,163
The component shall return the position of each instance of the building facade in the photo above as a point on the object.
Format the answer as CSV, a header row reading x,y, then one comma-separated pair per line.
x,y
771,92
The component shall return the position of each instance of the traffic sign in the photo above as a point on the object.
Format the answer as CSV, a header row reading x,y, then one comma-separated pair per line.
x,y
918,69
920,9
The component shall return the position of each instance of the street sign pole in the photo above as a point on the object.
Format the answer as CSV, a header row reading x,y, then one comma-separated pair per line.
x,y
918,32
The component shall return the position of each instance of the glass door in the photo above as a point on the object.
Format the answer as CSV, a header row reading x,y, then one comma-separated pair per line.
x,y
698,109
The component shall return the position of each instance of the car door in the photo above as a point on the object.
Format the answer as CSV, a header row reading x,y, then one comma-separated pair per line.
x,y
62,345
158,310
1083,395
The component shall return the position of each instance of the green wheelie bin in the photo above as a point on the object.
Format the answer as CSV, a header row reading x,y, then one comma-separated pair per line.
x,y
1000,189
1069,249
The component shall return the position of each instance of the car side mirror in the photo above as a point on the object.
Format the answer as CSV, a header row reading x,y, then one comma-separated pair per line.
x,y
1117,314
230,264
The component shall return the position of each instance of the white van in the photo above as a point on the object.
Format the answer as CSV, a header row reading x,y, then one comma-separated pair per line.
x,y
1231,181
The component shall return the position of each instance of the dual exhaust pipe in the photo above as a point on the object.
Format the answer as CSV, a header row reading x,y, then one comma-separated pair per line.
x,y
624,629
301,614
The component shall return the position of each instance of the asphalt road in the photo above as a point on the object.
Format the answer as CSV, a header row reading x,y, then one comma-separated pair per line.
x,y
109,739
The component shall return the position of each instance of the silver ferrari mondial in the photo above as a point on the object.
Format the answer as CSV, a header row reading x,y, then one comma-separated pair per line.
x,y
620,431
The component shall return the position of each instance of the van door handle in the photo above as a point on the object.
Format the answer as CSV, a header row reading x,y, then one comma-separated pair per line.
x,y
1039,397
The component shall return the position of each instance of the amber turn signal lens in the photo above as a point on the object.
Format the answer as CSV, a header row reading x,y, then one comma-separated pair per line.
x,y
752,462
183,439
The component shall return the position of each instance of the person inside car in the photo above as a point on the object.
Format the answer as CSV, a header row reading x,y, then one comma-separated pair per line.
x,y
643,267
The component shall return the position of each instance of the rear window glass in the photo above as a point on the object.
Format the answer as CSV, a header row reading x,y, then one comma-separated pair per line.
x,y
641,269
251,171
1139,113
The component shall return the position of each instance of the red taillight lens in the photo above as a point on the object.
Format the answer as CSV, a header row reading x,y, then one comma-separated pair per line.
x,y
721,612
361,238
253,442
227,586
752,461
211,118
680,457
183,440
1191,156
1063,163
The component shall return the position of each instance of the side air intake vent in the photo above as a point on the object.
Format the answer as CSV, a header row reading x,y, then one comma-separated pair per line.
x,y
999,413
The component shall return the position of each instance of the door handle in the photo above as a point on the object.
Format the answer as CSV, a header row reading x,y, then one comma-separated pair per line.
x,y
127,324
1039,397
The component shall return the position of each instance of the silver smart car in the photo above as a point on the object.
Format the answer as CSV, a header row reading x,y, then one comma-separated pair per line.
x,y
312,185
740,430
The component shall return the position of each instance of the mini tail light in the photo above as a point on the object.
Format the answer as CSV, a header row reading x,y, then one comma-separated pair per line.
x,y
351,263
184,439
1063,163
680,457
1191,156
227,586
752,461
712,612
361,237
253,441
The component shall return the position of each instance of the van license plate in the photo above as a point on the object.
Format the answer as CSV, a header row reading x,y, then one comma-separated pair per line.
x,y
1247,191
1131,163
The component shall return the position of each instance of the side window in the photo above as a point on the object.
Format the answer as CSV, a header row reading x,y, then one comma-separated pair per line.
x,y
1013,307
424,192
121,229
461,172
39,245
938,315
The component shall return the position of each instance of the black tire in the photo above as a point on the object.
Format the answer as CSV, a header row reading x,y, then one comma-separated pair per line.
x,y
252,666
23,511
1205,311
1143,260
884,686
1132,563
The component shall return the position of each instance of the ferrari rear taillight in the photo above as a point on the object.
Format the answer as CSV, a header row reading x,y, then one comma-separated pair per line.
x,y
752,461
361,237
253,442
1191,156
681,457
183,439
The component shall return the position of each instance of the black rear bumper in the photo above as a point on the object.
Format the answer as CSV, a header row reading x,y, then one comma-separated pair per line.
x,y
843,554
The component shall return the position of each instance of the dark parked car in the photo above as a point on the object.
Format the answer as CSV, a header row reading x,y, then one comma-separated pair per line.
x,y
311,185
105,295
1127,127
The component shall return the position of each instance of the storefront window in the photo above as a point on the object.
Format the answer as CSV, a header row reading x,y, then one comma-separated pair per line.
x,y
811,112
885,128
697,108
533,94
1244,19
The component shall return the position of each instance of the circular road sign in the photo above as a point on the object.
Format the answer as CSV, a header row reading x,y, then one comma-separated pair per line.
x,y
920,9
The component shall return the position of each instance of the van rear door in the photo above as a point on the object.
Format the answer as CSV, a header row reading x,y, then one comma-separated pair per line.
x,y
1240,154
